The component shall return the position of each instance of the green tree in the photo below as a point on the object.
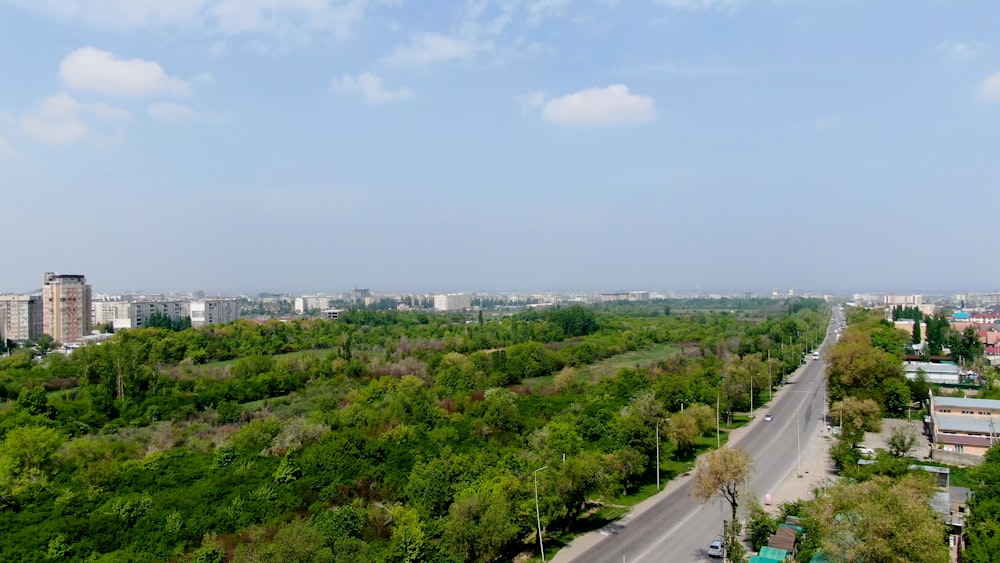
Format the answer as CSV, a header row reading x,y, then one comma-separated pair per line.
x,y
722,472
917,337
409,540
682,430
760,526
45,343
902,440
34,401
881,520
482,520
30,455
704,415
857,417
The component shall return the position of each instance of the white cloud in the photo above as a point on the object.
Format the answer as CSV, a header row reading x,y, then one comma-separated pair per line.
x,y
370,86
530,102
288,17
169,111
540,9
958,51
218,50
599,107
989,89
61,119
427,48
693,5
293,20
7,150
118,15
99,71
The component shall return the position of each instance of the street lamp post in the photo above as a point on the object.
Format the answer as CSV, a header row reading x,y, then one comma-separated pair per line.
x,y
538,514
798,444
658,452
770,384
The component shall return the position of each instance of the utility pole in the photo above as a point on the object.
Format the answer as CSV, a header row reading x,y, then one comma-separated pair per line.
x,y
718,431
538,515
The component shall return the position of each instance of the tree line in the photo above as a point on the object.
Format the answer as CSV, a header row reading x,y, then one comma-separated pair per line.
x,y
393,437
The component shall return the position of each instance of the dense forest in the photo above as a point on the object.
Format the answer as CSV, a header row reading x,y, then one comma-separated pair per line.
x,y
383,436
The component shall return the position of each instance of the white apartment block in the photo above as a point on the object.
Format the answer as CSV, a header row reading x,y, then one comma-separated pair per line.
x,y
911,300
307,303
125,314
65,306
22,317
452,301
214,311
625,296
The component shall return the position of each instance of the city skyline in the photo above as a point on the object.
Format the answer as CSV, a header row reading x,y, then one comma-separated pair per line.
x,y
535,145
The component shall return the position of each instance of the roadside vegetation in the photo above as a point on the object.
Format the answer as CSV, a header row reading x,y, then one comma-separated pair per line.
x,y
381,437
880,511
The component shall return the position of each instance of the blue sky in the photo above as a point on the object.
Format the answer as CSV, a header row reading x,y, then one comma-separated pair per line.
x,y
317,145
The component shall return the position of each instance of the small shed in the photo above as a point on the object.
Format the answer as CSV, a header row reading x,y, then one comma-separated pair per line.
x,y
774,553
784,538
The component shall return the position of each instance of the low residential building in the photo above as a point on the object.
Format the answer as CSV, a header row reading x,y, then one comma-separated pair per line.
x,y
332,314
941,374
963,425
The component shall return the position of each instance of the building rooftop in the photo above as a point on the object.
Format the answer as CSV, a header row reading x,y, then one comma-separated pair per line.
x,y
930,367
965,402
969,424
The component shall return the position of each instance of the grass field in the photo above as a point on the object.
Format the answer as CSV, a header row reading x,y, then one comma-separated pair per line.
x,y
216,369
610,366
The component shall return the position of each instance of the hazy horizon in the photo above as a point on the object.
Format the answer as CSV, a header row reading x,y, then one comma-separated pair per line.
x,y
591,145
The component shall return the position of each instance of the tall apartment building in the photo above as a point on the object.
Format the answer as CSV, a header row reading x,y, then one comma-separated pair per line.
x,y
65,306
452,302
214,311
22,316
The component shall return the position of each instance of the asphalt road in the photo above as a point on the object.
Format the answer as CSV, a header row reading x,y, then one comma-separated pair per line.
x,y
678,529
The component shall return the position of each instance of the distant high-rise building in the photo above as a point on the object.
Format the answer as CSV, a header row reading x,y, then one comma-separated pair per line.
x,y
65,307
22,316
359,294
452,302
625,296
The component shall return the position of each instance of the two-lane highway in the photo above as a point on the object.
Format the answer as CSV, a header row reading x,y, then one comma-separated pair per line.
x,y
676,528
